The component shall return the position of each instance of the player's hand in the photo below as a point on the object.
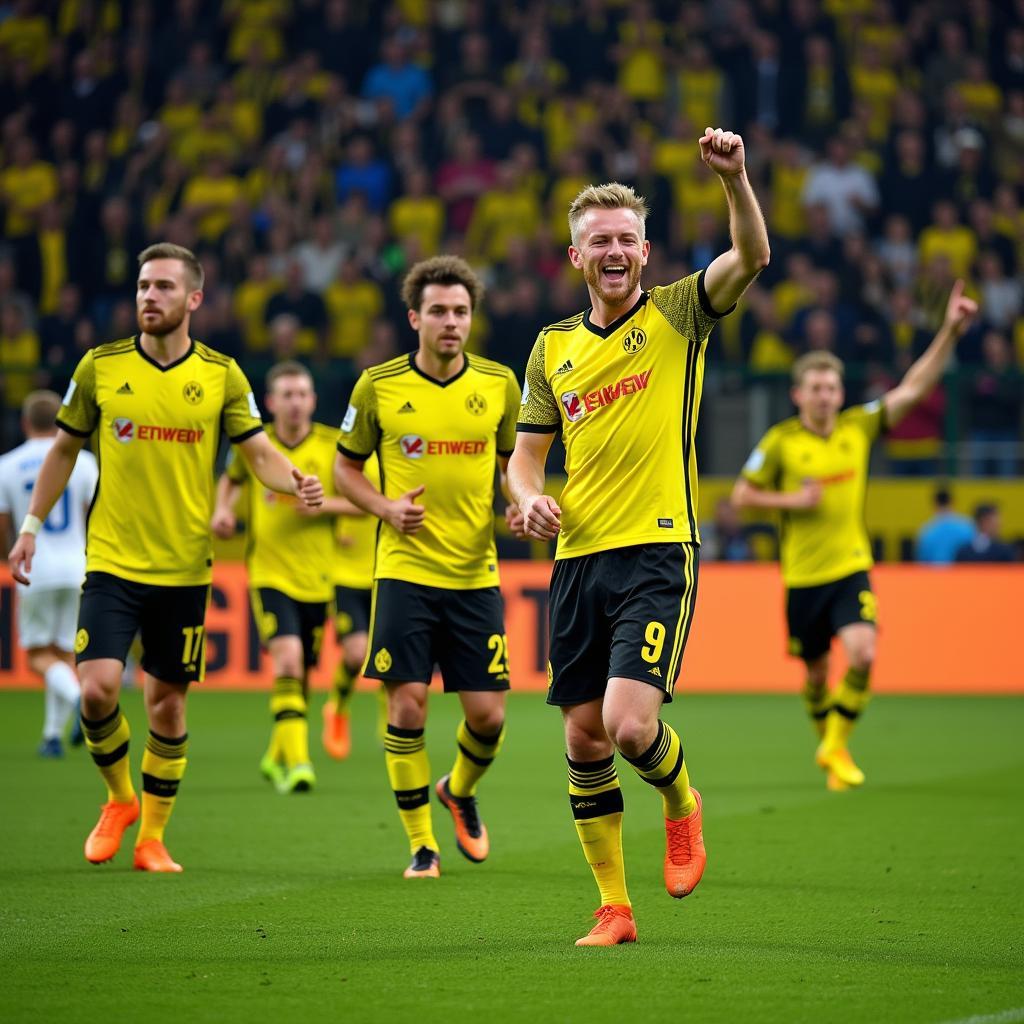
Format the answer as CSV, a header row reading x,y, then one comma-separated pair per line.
x,y
515,520
404,514
308,489
722,151
960,310
542,517
223,524
20,558
809,495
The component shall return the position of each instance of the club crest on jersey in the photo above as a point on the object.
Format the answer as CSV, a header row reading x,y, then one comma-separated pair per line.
x,y
634,340
476,404
124,430
413,446
573,406
193,392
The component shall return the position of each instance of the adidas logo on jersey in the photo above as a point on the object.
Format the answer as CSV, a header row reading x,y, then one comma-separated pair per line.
x,y
566,367
125,389
407,407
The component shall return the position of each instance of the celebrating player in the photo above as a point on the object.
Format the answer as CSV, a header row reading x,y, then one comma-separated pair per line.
x,y
622,382
289,556
356,538
814,468
47,612
437,419
157,404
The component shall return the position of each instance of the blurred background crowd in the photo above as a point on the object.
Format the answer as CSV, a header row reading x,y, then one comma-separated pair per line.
x,y
309,152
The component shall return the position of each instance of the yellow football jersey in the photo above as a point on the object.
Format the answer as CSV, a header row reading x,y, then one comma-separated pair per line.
x,y
823,544
157,433
356,538
626,398
445,435
286,550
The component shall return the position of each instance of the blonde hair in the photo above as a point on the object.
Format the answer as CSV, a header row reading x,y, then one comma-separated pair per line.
x,y
816,361
170,251
610,196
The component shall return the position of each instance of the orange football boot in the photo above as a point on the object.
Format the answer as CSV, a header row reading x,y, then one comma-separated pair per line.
x,y
152,855
105,839
336,736
615,924
470,832
426,863
684,852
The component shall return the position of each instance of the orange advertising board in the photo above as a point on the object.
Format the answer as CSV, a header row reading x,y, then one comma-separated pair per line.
x,y
951,630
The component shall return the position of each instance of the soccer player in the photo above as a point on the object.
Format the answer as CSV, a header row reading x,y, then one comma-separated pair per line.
x,y
437,419
622,382
813,468
47,612
356,537
157,404
288,557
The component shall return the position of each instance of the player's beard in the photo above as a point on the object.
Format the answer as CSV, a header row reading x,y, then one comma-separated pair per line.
x,y
167,323
594,280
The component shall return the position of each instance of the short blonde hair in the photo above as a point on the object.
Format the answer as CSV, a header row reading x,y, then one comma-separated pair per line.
x,y
169,251
816,361
611,196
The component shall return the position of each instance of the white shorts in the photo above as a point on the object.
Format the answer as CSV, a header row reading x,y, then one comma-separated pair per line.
x,y
48,618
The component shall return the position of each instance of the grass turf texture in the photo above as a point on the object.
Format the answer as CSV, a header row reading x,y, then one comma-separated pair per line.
x,y
900,902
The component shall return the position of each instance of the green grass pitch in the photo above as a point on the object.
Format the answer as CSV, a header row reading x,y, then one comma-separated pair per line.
x,y
901,902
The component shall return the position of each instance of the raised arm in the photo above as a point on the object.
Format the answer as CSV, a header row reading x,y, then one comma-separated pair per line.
x,y
729,275
542,518
53,478
925,372
273,470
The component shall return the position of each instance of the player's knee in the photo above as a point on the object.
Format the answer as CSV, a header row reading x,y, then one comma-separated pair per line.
x,y
632,735
406,708
486,721
863,657
355,654
583,743
167,713
100,687
40,659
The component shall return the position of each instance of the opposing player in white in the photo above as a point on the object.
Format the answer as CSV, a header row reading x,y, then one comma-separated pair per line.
x,y
48,611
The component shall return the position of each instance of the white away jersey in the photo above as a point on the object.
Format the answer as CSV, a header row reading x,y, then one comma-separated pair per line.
x,y
60,544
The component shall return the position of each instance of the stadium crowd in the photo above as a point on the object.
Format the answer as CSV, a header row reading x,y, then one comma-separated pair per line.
x,y
311,152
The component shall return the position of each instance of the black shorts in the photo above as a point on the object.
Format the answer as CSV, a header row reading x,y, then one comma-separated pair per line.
x,y
620,613
815,614
351,611
414,627
171,621
277,614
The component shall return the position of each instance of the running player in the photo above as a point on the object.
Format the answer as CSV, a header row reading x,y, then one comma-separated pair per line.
x,y
813,468
47,612
157,404
622,383
289,556
437,419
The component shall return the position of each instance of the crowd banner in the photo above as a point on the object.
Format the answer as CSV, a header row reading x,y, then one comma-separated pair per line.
x,y
942,630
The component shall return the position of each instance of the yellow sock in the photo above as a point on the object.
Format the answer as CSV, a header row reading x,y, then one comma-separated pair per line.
x,y
474,757
851,698
107,741
291,730
344,681
596,801
405,754
662,766
816,701
163,765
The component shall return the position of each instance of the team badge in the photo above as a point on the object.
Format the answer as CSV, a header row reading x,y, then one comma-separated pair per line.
x,y
81,640
124,430
573,406
268,625
193,392
412,446
382,660
634,340
476,404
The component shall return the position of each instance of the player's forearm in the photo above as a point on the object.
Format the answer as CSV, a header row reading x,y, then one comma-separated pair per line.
x,y
524,478
747,229
925,372
746,495
53,478
339,507
354,486
272,469
227,495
